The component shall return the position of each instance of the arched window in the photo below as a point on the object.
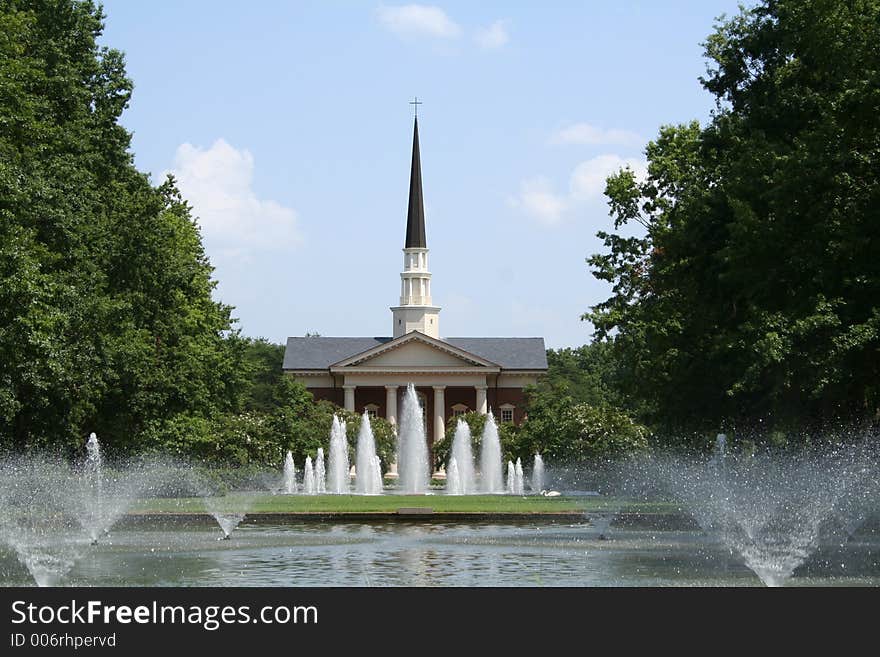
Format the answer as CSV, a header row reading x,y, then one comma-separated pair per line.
x,y
459,409
372,410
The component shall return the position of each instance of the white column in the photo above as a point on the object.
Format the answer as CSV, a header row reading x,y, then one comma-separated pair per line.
x,y
439,412
349,397
391,404
481,399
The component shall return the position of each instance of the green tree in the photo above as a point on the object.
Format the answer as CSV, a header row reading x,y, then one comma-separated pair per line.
x,y
106,317
564,430
749,295
589,373
263,361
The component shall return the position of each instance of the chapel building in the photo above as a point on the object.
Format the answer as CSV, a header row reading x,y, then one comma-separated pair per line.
x,y
452,376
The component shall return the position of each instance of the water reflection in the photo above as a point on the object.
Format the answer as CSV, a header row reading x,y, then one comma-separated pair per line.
x,y
433,554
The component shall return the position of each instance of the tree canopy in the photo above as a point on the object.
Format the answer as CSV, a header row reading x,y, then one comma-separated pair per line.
x,y
748,294
106,315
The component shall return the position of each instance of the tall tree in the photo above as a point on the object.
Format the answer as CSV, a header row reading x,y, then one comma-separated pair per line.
x,y
752,295
106,316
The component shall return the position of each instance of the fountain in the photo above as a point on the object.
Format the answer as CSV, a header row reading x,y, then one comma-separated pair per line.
x,y
90,508
309,477
859,498
97,499
720,452
228,511
289,474
453,479
367,480
490,458
40,517
412,446
785,517
338,478
377,475
771,509
538,475
94,459
462,452
228,522
601,522
320,473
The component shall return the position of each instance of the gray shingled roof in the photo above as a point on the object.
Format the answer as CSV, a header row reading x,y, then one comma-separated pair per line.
x,y
319,353
510,353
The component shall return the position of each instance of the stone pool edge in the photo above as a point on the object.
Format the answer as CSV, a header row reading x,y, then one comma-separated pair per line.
x,y
669,521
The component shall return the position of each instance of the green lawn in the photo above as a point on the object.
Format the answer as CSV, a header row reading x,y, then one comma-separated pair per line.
x,y
391,503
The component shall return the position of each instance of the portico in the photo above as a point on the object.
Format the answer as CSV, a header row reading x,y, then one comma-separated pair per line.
x,y
449,378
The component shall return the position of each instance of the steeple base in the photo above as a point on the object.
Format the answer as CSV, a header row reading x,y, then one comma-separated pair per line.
x,y
424,319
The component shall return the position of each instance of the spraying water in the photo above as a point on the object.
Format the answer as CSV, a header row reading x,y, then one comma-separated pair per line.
x,y
309,477
34,495
771,510
338,474
453,479
366,482
462,452
720,453
98,498
511,486
378,482
490,458
538,475
601,521
412,446
518,478
91,516
228,510
289,474
320,473
94,459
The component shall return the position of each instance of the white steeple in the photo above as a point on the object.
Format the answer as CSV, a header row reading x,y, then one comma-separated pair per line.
x,y
415,312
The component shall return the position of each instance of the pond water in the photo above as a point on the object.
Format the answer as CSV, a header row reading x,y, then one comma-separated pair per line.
x,y
404,553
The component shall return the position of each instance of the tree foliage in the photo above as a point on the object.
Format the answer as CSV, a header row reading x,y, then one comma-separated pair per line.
x,y
273,414
748,296
106,316
107,321
564,430
575,414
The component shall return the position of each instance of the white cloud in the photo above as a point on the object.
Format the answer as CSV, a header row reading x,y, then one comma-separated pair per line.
x,y
494,36
419,20
537,199
584,133
588,178
217,182
586,184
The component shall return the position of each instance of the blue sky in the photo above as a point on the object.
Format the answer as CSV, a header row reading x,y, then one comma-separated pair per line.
x,y
289,129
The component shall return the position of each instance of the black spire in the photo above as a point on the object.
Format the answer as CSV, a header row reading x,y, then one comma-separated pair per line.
x,y
415,216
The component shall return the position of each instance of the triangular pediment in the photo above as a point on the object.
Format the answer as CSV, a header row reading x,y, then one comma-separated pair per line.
x,y
415,350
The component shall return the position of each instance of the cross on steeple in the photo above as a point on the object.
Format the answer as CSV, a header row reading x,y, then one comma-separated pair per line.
x,y
415,103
